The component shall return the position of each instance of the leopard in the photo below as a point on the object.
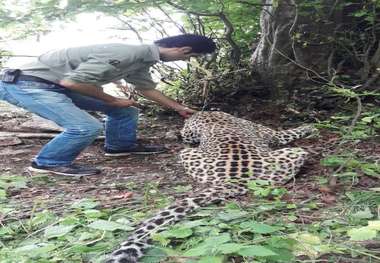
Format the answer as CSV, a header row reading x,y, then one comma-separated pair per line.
x,y
225,153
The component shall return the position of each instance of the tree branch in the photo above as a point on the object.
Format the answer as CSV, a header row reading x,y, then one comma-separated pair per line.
x,y
134,30
180,27
235,52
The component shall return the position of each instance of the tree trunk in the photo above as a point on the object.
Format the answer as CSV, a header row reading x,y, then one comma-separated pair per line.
x,y
281,60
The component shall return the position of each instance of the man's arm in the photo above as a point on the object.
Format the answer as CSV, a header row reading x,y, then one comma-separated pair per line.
x,y
159,97
98,93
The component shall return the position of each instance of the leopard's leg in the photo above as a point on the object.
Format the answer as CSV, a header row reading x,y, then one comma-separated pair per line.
x,y
133,248
278,166
287,136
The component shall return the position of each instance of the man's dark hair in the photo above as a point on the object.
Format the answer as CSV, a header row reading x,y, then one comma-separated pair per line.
x,y
198,43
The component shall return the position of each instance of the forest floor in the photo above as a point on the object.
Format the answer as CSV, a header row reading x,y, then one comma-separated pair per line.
x,y
32,203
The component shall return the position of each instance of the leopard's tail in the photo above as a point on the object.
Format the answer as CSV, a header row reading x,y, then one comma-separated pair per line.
x,y
133,248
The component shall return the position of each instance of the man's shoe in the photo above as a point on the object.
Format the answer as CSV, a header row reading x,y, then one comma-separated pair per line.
x,y
69,170
138,149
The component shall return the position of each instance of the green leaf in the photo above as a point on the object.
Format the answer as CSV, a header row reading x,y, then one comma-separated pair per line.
x,y
82,249
332,161
283,255
108,225
17,182
370,169
197,251
88,235
310,245
229,248
43,217
375,225
364,214
307,238
362,233
154,255
258,227
84,204
369,119
218,240
210,259
210,244
282,242
35,250
231,215
3,194
177,232
92,213
160,239
256,251
57,231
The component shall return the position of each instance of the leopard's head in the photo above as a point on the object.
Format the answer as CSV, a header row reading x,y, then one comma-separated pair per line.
x,y
190,133
192,129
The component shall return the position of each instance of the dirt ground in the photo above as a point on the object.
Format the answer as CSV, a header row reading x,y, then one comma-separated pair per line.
x,y
126,176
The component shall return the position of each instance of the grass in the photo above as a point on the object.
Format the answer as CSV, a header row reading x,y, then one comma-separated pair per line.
x,y
274,225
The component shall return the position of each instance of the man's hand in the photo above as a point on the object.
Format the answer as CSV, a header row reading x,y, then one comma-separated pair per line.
x,y
186,112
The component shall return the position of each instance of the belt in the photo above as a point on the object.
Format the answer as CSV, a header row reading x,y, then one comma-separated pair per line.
x,y
33,78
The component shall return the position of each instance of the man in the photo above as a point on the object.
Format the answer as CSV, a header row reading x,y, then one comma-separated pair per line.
x,y
61,85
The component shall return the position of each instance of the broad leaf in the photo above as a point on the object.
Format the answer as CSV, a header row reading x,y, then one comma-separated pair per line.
x,y
362,233
258,227
35,250
210,259
229,248
231,215
108,225
58,231
375,225
177,232
84,204
364,214
210,244
256,251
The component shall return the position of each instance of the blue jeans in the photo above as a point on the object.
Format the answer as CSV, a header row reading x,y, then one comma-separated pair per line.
x,y
67,109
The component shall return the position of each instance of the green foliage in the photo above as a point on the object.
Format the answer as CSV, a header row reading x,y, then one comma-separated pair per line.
x,y
264,232
262,188
108,225
352,166
11,182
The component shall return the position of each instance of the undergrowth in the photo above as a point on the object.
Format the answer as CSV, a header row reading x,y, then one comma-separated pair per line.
x,y
270,227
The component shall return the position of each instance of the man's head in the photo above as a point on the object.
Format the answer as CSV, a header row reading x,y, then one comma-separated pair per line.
x,y
184,46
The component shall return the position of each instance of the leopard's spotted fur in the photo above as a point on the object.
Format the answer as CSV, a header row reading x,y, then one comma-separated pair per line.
x,y
231,152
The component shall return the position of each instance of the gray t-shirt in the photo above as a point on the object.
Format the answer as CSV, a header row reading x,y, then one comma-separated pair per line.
x,y
97,64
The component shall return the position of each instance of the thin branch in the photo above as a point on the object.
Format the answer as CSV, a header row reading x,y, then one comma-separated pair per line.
x,y
291,31
131,28
190,12
155,24
235,53
180,27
